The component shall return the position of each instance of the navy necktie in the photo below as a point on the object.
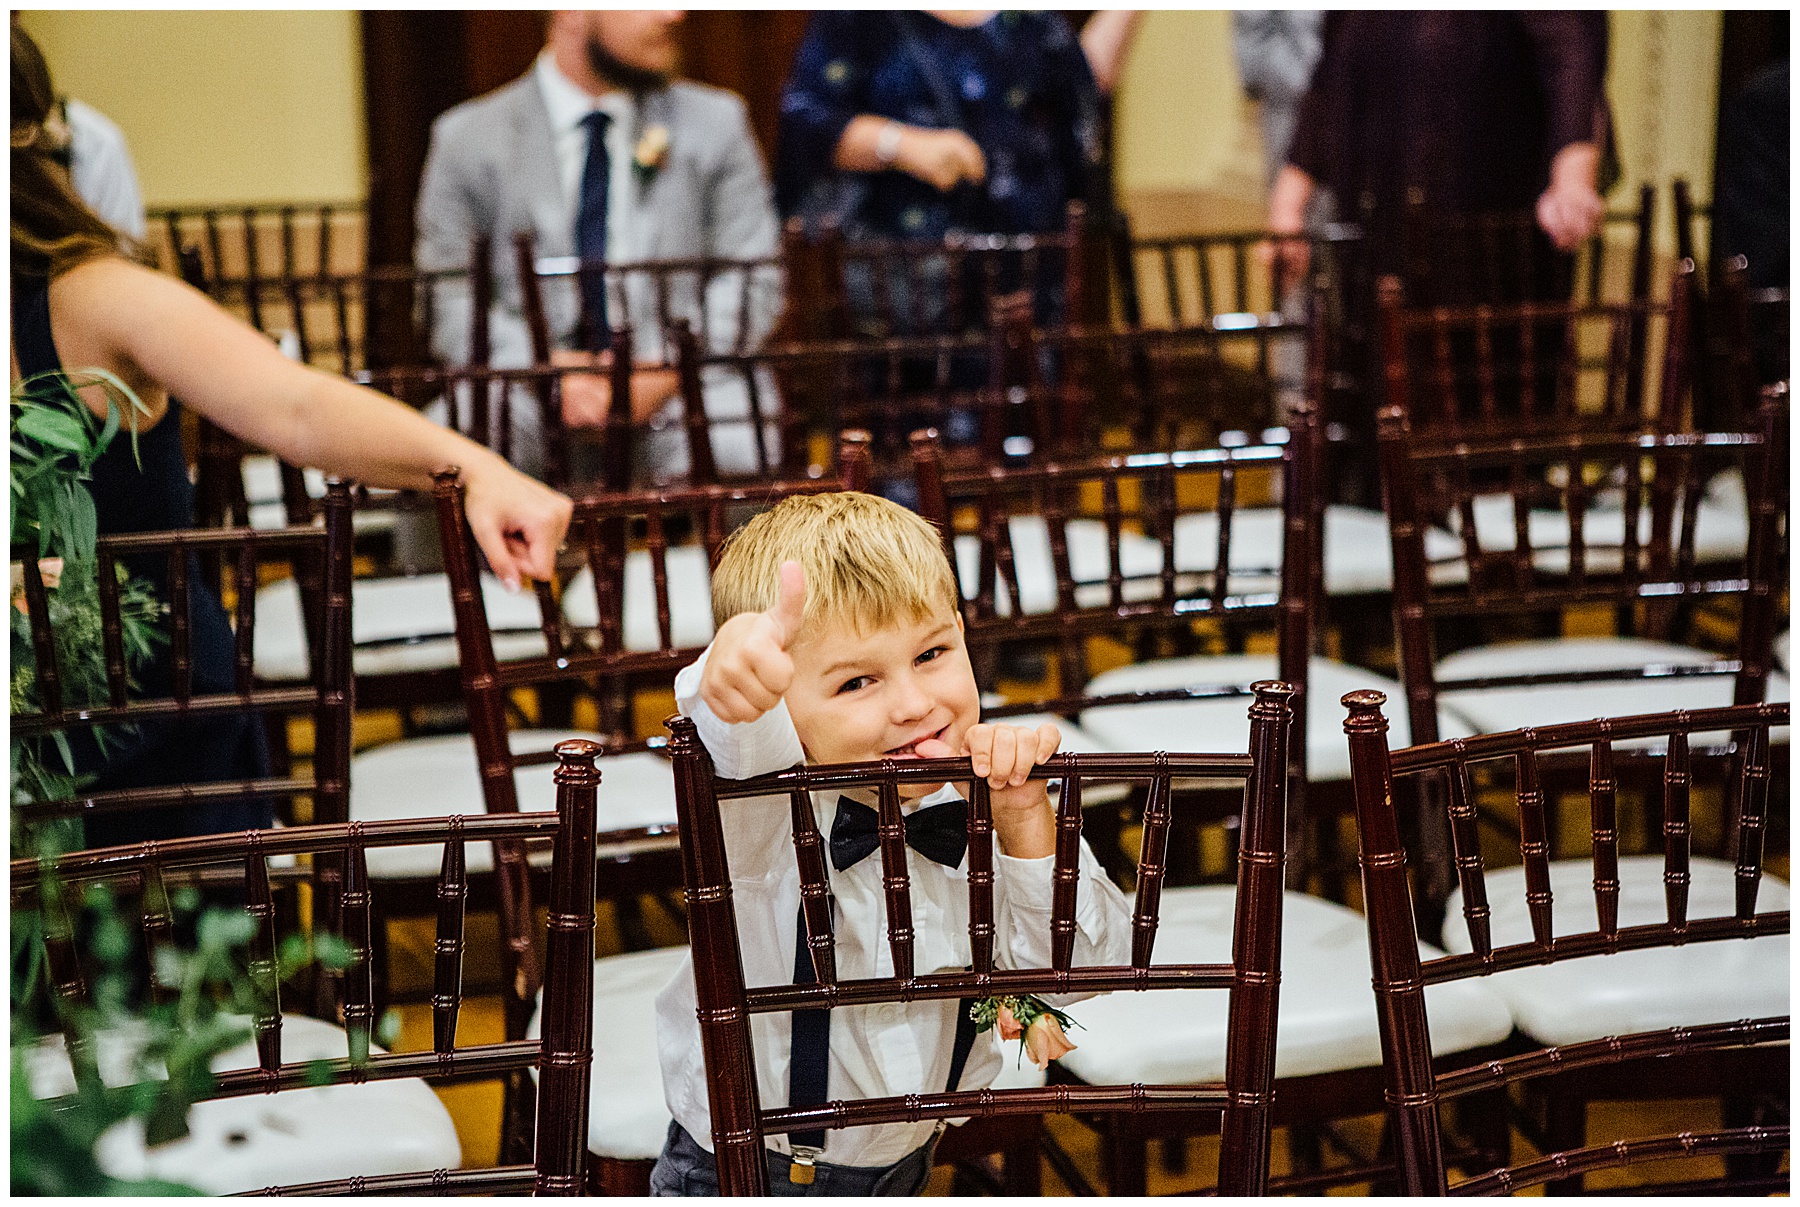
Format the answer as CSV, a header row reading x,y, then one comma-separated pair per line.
x,y
940,833
590,231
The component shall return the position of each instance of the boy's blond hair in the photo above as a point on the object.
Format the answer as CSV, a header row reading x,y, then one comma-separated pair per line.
x,y
869,562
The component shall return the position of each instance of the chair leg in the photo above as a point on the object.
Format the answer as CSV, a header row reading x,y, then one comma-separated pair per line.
x,y
1306,1150
1021,1172
1172,1155
1565,1127
1740,1110
1126,1158
518,1120
617,1178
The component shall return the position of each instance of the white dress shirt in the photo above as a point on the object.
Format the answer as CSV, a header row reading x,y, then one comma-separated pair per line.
x,y
876,1050
569,104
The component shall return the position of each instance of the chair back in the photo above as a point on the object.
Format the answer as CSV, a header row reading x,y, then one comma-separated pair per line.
x,y
726,1004
1494,367
729,303
887,288
810,390
1419,1082
1223,278
504,409
1135,542
1065,390
151,870
261,242
320,558
631,604
1545,522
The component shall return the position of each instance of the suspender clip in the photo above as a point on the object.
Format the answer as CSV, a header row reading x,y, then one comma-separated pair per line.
x,y
801,1172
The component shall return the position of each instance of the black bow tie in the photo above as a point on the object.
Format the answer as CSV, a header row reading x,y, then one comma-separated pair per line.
x,y
940,833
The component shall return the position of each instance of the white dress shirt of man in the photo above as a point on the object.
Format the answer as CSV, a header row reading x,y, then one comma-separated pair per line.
x,y
685,180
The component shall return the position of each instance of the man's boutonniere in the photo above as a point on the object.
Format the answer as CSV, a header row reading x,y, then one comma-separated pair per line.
x,y
1035,1023
651,150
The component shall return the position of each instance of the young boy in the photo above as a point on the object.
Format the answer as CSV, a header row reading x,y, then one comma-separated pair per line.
x,y
839,640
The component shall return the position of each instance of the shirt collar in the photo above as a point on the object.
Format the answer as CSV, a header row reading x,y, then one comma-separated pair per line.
x,y
568,103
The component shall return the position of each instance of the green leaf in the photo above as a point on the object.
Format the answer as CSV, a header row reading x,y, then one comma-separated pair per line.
x,y
58,429
62,745
108,431
221,928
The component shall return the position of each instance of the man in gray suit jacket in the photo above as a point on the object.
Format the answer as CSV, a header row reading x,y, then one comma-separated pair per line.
x,y
684,180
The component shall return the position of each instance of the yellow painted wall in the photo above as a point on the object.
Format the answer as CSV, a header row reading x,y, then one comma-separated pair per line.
x,y
1663,79
218,106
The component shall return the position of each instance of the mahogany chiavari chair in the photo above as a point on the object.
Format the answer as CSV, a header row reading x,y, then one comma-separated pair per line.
x,y
1489,368
1241,1097
1661,976
887,288
1139,559
310,1108
1609,520
404,645
257,242
318,557
630,607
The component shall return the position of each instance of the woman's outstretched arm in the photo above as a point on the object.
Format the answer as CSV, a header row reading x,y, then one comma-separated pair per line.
x,y
151,328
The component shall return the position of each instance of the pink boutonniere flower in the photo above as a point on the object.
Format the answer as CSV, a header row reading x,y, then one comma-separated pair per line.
x,y
1037,1025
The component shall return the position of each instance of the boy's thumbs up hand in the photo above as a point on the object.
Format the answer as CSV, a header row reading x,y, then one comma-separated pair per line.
x,y
749,669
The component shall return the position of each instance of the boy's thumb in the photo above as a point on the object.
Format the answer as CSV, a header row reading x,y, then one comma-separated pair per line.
x,y
790,609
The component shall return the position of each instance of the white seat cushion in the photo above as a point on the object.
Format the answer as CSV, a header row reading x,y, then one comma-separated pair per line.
x,y
1208,726
413,613
1721,528
1781,649
628,1118
1359,557
1500,709
436,777
1327,1020
239,1144
690,600
263,492
1629,991
1140,561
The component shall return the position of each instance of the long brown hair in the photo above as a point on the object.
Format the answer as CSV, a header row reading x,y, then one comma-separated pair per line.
x,y
53,230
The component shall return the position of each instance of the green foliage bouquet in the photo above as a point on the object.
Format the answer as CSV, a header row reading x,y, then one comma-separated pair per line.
x,y
55,441
166,1047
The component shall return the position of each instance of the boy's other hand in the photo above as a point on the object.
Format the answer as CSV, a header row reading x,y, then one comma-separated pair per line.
x,y
1004,756
749,669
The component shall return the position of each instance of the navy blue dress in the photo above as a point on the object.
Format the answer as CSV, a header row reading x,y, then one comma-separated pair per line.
x,y
157,496
1020,87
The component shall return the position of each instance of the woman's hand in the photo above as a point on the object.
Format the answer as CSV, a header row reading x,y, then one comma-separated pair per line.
x,y
1569,211
943,159
518,521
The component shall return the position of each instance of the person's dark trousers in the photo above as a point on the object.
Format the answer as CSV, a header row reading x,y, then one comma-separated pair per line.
x,y
685,1170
